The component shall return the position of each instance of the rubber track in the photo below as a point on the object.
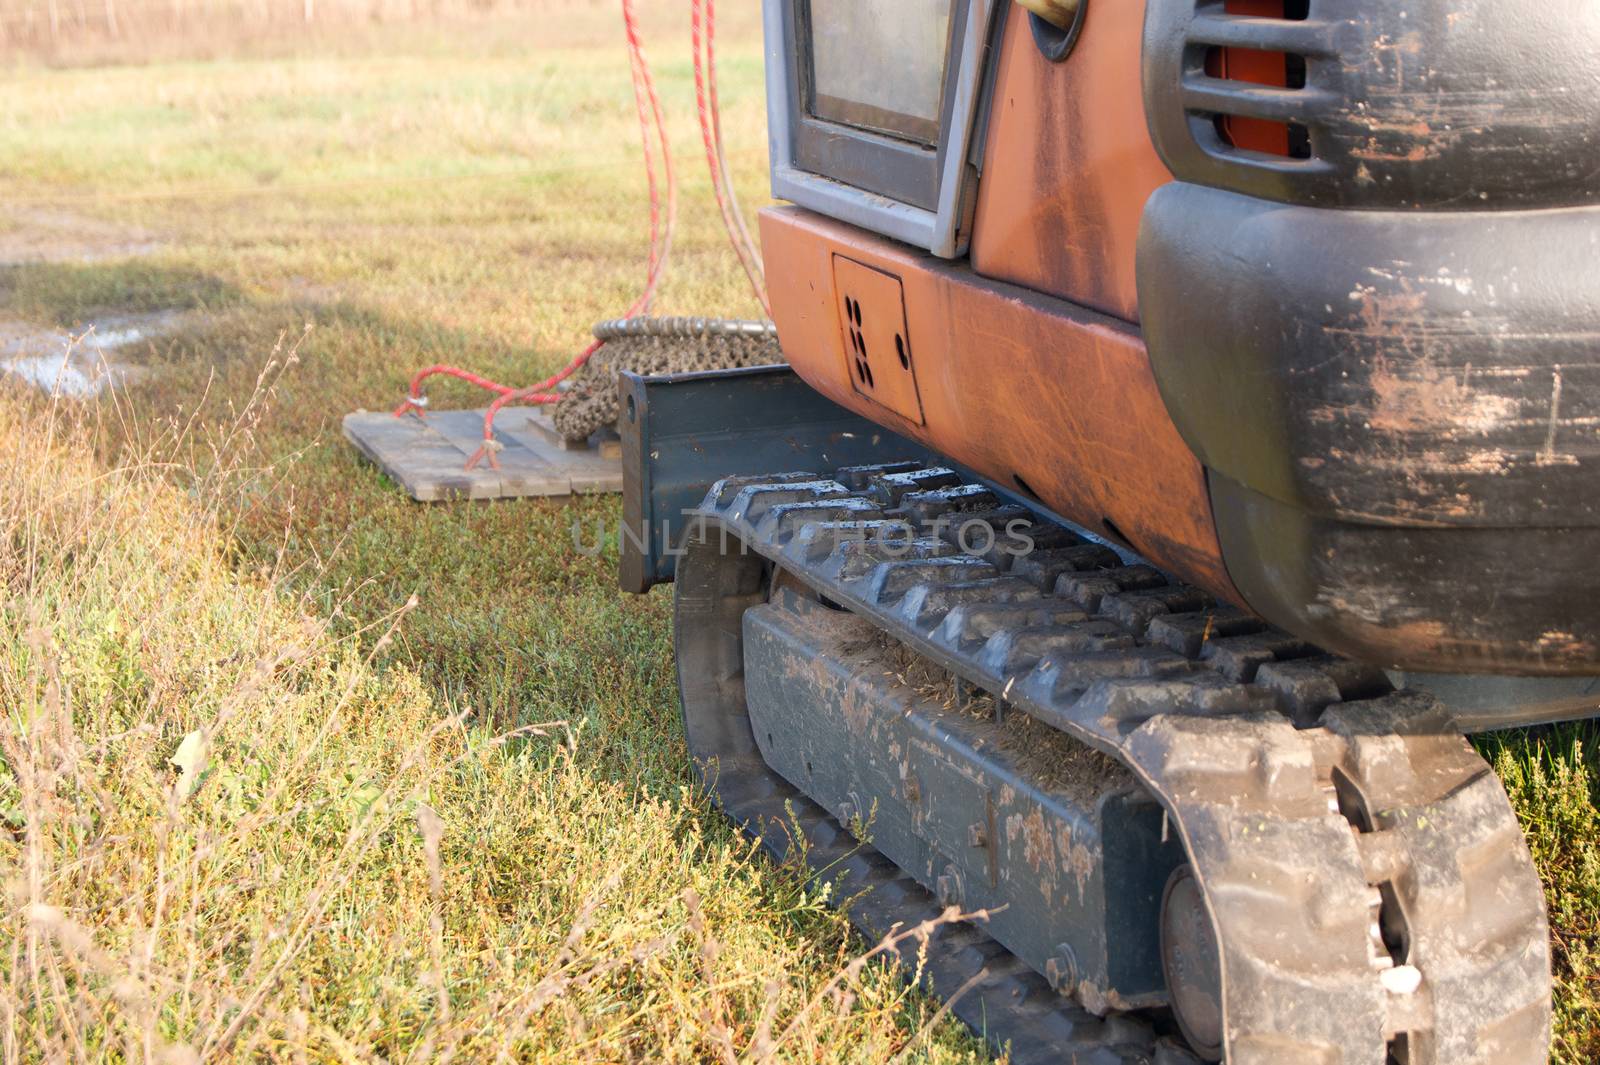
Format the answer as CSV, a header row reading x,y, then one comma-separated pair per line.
x,y
1371,888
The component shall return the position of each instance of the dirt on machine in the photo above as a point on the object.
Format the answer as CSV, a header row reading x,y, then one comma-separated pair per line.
x,y
1187,437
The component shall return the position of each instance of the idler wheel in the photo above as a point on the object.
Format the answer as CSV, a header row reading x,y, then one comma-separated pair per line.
x,y
1192,963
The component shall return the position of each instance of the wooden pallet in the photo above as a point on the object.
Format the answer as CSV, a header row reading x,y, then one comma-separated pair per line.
x,y
428,456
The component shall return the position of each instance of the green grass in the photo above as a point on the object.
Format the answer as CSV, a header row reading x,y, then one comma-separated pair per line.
x,y
474,198
186,560
1553,777
364,864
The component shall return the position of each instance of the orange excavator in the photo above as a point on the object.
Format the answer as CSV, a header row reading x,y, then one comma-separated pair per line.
x,y
1191,432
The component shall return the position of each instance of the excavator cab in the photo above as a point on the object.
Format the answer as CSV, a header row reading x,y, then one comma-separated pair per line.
x,y
1189,433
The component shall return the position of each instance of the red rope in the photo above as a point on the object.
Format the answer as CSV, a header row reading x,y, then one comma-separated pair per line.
x,y
415,404
722,159
653,135
703,13
647,102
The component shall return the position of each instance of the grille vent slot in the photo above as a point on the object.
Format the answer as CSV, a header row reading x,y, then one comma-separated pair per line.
x,y
1248,83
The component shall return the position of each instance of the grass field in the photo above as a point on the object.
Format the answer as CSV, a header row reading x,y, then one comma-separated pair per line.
x,y
443,802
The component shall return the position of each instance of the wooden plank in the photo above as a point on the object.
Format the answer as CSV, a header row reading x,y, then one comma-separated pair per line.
x,y
427,456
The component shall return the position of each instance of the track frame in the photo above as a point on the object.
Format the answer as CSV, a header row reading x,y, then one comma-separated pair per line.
x,y
1367,881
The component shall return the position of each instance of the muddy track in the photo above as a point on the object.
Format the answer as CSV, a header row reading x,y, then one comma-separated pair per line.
x,y
1369,885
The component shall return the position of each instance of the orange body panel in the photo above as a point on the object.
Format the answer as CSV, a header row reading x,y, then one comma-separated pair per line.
x,y
1069,165
1035,393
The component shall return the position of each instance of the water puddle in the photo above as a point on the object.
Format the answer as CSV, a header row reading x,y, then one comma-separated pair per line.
x,y
80,363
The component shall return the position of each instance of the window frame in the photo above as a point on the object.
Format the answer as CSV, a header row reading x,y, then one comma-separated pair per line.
x,y
899,188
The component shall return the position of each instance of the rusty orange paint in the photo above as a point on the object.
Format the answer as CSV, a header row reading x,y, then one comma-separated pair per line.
x,y
1034,393
1069,164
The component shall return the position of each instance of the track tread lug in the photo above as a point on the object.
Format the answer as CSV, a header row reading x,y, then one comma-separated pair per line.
x,y
1088,589
752,501
1240,658
1014,650
725,490
1309,686
1045,567
926,604
891,580
858,559
1189,633
964,499
981,622
860,478
1136,611
783,521
890,487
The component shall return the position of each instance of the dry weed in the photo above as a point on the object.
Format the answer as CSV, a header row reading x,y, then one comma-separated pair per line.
x,y
233,831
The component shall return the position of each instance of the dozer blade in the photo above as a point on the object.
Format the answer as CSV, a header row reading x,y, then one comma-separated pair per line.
x,y
1344,880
